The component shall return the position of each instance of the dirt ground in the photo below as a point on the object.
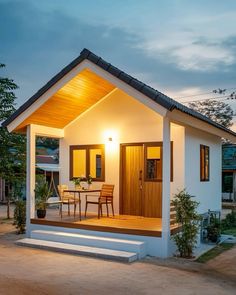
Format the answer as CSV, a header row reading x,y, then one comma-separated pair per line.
x,y
25,271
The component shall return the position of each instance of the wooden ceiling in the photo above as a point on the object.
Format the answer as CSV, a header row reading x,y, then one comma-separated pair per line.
x,y
78,95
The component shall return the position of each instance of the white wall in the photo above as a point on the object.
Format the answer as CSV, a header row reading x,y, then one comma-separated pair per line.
x,y
208,193
119,116
178,138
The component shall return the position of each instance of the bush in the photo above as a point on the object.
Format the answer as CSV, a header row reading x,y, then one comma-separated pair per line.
x,y
20,216
188,218
229,221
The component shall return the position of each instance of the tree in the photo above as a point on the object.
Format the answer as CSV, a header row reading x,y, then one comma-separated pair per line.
x,y
218,111
12,146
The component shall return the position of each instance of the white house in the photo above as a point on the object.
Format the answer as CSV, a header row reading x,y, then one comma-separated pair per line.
x,y
122,132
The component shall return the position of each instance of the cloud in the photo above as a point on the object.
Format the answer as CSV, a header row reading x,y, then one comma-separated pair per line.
x,y
38,41
192,54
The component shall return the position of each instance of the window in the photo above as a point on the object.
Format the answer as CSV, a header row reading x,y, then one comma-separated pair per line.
x,y
204,162
153,162
87,160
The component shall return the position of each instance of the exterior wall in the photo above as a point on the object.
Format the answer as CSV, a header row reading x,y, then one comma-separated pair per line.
x,y
208,193
127,121
178,138
118,116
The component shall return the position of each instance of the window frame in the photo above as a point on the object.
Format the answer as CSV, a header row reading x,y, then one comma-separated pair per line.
x,y
158,144
203,163
87,149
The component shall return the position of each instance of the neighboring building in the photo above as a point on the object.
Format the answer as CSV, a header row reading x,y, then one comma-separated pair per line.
x,y
47,163
121,131
229,172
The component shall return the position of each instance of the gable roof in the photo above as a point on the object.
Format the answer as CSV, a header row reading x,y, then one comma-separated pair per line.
x,y
150,92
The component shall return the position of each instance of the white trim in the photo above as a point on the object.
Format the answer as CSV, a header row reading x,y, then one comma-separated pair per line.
x,y
166,187
128,89
97,70
180,118
30,177
93,106
43,98
48,131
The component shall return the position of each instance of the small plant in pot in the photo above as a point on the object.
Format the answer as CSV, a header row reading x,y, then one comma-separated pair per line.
x,y
77,182
213,230
42,193
89,181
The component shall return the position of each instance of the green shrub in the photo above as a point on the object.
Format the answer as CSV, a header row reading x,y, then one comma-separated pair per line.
x,y
229,221
20,216
188,218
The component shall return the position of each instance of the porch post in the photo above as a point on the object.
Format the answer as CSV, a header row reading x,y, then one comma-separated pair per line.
x,y
30,177
166,187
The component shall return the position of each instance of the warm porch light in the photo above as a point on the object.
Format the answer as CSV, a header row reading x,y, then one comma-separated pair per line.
x,y
111,140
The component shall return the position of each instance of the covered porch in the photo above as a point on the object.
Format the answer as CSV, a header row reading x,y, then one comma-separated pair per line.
x,y
121,224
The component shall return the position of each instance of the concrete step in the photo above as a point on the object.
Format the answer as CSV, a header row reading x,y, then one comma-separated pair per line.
x,y
138,247
123,256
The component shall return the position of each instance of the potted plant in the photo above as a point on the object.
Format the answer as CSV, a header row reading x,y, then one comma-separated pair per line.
x,y
213,230
77,182
89,181
42,193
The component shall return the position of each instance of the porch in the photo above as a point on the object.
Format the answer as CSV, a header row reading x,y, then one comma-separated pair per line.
x,y
120,224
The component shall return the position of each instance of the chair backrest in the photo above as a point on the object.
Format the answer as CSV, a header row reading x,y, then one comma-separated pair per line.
x,y
61,188
107,190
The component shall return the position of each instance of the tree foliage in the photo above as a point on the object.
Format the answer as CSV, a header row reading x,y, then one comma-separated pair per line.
x,y
218,111
12,146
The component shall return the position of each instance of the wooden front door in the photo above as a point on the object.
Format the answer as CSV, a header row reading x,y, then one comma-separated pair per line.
x,y
141,184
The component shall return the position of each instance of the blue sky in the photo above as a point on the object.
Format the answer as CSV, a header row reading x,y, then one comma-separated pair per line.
x,y
179,47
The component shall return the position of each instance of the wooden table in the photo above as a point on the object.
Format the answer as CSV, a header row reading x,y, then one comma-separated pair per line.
x,y
79,192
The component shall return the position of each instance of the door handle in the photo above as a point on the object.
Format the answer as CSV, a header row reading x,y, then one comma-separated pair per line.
x,y
140,179
140,175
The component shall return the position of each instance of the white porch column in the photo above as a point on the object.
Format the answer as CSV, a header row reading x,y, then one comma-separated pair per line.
x,y
30,177
166,187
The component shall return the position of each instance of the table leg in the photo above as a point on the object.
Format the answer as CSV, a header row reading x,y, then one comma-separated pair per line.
x,y
79,207
74,205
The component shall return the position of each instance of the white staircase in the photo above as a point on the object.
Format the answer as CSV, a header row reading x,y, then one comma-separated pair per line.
x,y
89,245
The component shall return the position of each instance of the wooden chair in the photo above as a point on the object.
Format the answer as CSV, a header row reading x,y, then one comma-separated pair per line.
x,y
68,198
105,198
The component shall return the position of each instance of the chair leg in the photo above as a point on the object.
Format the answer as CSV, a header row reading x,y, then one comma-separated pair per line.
x,y
112,207
86,207
80,210
99,209
60,209
74,209
107,209
68,208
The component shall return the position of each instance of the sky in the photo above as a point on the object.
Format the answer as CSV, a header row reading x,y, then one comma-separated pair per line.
x,y
182,48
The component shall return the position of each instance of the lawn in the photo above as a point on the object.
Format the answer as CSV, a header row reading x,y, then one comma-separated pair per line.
x,y
214,252
230,231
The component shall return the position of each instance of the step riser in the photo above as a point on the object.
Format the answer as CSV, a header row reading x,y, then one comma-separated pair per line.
x,y
61,249
91,242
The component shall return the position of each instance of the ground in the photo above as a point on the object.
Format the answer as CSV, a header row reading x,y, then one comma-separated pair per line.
x,y
31,271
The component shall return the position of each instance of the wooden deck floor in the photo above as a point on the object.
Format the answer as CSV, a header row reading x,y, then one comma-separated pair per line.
x,y
125,224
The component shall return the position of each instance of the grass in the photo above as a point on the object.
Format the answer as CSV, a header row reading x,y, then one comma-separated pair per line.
x,y
230,231
214,252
